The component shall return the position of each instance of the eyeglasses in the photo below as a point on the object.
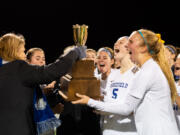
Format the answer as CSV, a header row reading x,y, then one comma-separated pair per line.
x,y
177,68
116,50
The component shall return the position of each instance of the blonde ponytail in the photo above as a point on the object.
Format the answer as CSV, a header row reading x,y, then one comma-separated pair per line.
x,y
161,59
156,45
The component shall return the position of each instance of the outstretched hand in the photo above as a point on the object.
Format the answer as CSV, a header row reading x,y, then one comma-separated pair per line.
x,y
83,99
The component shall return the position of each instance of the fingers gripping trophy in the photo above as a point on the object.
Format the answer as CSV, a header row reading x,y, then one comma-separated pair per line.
x,y
83,80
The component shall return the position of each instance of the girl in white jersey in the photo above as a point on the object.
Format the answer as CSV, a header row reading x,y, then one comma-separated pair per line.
x,y
104,62
153,89
119,82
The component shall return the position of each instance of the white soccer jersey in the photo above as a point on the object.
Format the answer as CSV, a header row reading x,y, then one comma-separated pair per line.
x,y
176,108
154,115
117,87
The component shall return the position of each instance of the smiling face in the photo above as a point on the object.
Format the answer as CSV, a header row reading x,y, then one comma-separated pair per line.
x,y
104,62
121,49
38,58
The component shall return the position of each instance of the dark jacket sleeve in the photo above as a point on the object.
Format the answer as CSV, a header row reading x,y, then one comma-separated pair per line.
x,y
32,75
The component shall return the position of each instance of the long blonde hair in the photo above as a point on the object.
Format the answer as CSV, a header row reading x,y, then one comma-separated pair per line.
x,y
157,49
9,46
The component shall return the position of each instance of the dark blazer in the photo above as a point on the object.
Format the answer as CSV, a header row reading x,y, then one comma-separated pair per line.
x,y
17,82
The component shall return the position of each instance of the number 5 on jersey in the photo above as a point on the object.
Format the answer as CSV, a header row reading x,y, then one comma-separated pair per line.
x,y
114,92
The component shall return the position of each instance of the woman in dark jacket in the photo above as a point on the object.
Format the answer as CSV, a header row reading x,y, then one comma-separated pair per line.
x,y
18,80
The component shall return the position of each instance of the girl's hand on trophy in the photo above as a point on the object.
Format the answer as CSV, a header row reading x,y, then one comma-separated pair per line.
x,y
83,99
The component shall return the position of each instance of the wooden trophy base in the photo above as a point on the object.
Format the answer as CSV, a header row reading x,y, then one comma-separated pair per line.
x,y
83,81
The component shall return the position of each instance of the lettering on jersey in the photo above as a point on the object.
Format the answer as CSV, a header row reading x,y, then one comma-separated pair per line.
x,y
135,69
119,84
114,92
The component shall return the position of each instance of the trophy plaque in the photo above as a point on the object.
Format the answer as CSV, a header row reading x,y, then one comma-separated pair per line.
x,y
83,80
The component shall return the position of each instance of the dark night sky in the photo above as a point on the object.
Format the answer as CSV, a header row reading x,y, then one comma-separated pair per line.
x,y
48,24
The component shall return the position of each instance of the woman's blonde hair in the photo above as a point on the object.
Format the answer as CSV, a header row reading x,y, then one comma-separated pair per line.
x,y
9,46
157,49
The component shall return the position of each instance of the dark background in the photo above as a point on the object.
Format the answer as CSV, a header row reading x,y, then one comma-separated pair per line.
x,y
48,24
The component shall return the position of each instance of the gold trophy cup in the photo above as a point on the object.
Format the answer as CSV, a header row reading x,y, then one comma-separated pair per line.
x,y
80,34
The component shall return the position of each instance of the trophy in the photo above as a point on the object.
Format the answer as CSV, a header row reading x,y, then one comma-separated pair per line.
x,y
83,80
80,34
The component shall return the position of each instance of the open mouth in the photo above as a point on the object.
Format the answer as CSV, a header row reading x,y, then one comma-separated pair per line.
x,y
102,65
116,50
130,52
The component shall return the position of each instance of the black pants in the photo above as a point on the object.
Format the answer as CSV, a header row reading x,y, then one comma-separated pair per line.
x,y
79,120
